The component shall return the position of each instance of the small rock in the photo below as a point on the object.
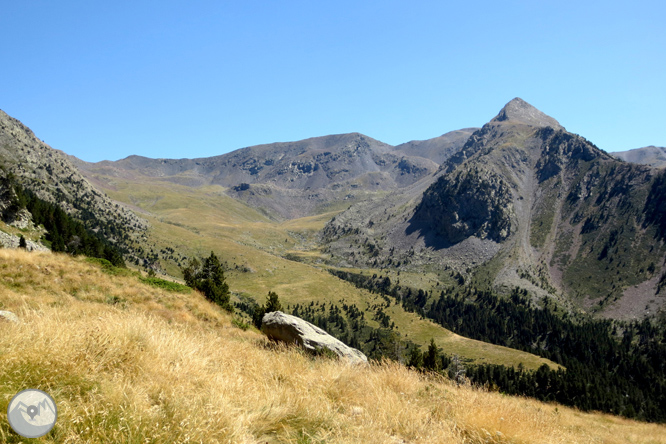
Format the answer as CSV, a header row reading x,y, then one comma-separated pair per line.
x,y
8,316
356,411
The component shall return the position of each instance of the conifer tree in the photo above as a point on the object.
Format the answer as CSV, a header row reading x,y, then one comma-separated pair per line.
x,y
415,359
431,359
208,278
272,304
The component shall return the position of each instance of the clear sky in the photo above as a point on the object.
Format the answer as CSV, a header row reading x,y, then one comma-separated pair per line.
x,y
104,80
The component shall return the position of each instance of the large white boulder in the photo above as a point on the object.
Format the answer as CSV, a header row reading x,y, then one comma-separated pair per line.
x,y
294,330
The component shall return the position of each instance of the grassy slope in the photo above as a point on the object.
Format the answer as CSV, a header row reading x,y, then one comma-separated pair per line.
x,y
127,362
196,221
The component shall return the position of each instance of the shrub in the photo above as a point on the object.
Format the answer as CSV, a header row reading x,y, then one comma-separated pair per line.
x,y
165,285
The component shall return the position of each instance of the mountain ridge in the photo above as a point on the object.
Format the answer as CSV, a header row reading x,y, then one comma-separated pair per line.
x,y
653,156
288,179
52,177
512,208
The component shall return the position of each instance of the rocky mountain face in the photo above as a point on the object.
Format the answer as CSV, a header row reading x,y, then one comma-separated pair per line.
x,y
524,203
289,180
16,217
51,176
653,156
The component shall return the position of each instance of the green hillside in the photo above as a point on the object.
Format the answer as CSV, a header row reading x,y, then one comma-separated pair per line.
x,y
194,221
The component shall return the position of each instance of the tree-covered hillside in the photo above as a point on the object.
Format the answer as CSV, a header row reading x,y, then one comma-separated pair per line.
x,y
63,232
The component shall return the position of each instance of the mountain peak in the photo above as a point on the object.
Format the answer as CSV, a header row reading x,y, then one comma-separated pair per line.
x,y
519,110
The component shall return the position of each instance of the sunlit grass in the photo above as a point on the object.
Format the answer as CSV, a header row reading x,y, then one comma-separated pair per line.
x,y
194,221
170,367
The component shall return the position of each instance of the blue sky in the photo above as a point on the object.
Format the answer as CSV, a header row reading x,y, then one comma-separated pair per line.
x,y
104,80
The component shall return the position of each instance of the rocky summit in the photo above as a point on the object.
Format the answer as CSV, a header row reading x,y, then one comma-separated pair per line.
x,y
519,111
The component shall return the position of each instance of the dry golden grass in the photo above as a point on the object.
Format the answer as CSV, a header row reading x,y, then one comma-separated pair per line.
x,y
169,367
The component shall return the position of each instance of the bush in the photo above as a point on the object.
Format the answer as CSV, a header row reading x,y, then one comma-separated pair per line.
x,y
239,323
109,268
165,285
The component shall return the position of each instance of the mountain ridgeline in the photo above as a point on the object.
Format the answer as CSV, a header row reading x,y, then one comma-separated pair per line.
x,y
654,156
294,179
524,203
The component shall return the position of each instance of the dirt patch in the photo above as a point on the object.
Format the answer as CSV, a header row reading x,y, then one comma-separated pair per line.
x,y
637,302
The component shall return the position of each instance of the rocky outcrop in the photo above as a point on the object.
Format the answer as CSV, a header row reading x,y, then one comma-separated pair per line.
x,y
458,206
22,220
290,329
12,241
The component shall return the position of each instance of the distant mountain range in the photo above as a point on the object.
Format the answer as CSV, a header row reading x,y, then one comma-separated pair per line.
x,y
518,202
296,179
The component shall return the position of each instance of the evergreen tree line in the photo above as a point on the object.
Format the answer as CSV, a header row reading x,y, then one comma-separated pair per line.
x,y
611,366
413,300
64,233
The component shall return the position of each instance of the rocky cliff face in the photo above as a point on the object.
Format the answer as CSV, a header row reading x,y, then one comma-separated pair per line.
x,y
464,204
